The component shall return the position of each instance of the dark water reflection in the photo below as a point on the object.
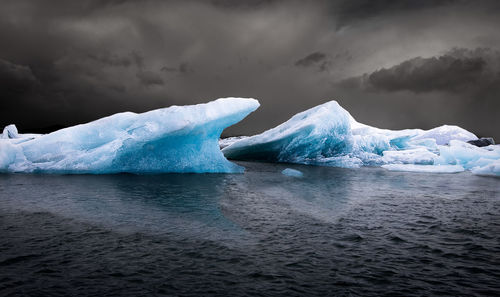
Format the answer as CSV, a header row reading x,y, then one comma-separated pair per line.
x,y
333,232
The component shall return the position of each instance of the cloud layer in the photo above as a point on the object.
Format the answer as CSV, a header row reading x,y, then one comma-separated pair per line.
x,y
457,71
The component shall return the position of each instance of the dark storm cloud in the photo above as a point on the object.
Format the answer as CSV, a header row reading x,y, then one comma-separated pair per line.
x,y
317,59
18,86
149,78
15,78
424,75
243,4
80,60
349,11
459,70
111,59
182,68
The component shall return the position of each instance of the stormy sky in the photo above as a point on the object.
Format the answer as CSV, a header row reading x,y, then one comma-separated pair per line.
x,y
390,63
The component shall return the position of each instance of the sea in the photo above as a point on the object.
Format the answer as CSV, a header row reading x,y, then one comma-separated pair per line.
x,y
331,232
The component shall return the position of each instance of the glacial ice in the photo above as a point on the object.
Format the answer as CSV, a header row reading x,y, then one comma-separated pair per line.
x,y
292,172
419,156
328,135
10,132
186,139
223,142
492,168
444,134
321,131
11,135
173,139
424,168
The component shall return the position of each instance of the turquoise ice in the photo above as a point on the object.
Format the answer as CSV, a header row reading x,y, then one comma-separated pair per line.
x,y
186,139
173,139
328,135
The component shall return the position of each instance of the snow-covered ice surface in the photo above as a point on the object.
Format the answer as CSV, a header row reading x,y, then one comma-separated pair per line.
x,y
173,139
328,135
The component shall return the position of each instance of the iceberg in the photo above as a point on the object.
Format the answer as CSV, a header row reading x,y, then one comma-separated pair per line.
x,y
173,139
328,135
319,132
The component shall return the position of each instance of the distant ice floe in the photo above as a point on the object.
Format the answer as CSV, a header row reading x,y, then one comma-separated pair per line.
x,y
173,139
328,135
292,172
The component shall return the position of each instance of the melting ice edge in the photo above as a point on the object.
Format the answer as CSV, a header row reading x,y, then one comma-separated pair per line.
x,y
186,139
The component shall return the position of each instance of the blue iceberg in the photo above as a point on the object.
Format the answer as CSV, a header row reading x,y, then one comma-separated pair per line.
x,y
328,135
173,139
318,133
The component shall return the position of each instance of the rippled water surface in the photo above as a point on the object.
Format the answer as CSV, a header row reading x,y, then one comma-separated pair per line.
x,y
340,232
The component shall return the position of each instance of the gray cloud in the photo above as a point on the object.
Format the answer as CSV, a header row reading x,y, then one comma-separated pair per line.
x,y
317,60
457,71
352,11
111,59
431,74
15,78
182,68
149,78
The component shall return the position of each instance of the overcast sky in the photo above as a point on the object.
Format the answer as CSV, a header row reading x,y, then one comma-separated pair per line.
x,y
392,64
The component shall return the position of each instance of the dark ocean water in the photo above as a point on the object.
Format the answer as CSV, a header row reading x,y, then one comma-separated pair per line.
x,y
334,232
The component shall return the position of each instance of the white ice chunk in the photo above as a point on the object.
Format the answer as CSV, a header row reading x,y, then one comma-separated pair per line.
x,y
410,156
292,172
10,131
467,155
492,168
446,133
